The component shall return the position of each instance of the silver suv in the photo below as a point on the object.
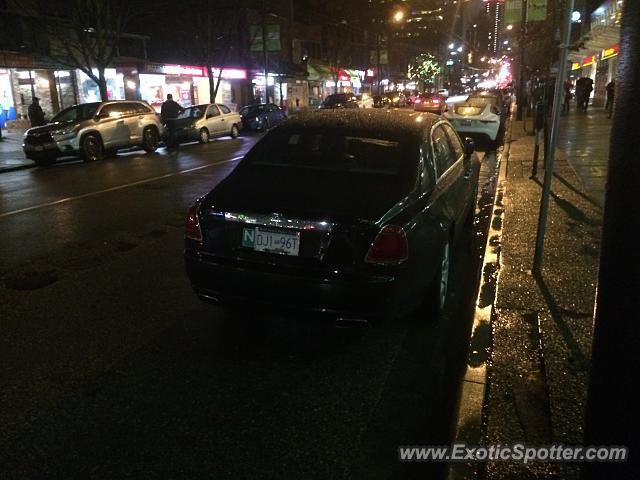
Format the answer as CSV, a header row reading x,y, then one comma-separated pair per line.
x,y
92,129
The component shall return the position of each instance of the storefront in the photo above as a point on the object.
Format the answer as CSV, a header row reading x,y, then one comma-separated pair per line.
x,y
7,104
189,85
88,90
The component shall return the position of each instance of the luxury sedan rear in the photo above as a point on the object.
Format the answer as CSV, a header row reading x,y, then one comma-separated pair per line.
x,y
334,214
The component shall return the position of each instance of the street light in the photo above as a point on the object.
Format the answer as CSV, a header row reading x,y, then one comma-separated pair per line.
x,y
509,27
398,16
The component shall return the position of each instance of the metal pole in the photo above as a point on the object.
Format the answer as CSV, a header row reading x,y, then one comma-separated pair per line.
x,y
379,73
523,31
555,123
264,51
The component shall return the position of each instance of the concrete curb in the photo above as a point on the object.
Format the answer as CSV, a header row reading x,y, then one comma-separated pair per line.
x,y
471,422
16,168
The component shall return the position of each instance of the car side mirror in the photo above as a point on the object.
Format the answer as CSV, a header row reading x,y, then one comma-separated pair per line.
x,y
469,146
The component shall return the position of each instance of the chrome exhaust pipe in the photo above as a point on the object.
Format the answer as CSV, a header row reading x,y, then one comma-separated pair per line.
x,y
351,323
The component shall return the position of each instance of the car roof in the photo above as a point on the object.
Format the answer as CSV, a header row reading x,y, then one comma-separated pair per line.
x,y
386,121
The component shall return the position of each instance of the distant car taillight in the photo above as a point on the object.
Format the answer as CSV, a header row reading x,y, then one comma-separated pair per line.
x,y
192,225
390,246
417,100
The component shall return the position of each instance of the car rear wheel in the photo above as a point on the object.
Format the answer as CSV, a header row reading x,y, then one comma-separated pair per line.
x,y
91,148
150,139
265,125
204,136
234,131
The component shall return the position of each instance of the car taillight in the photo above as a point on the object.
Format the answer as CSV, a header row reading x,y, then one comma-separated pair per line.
x,y
435,100
417,100
389,247
192,225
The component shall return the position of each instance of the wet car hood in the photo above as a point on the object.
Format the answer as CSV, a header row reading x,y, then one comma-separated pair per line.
x,y
50,127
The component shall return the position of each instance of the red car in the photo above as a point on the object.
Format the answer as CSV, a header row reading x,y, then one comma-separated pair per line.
x,y
430,102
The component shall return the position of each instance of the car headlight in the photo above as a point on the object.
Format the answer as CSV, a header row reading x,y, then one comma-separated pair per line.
x,y
65,132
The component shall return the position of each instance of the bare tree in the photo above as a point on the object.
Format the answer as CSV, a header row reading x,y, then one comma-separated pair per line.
x,y
84,34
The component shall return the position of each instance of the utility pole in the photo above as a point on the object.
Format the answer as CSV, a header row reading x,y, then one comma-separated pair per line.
x,y
523,34
612,414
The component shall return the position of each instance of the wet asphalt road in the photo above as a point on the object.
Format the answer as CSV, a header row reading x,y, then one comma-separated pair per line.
x,y
111,368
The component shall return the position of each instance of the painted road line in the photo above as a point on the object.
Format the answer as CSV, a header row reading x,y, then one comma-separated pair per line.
x,y
119,187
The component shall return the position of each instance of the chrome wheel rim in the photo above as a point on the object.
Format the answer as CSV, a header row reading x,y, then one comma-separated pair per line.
x,y
204,136
91,148
150,139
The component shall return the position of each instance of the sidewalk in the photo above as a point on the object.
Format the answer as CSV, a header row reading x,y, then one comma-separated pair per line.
x,y
540,328
11,154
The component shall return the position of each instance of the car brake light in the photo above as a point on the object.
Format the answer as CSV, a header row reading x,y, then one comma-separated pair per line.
x,y
192,225
389,247
435,100
417,100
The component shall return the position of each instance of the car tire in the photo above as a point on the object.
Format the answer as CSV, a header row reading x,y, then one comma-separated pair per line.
x,y
437,293
44,161
150,139
91,148
234,131
204,136
265,125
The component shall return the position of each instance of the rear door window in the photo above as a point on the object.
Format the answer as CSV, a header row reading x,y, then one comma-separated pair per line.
x,y
213,111
454,139
443,154
224,109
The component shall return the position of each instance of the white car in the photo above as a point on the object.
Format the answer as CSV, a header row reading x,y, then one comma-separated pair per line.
x,y
364,100
210,120
477,117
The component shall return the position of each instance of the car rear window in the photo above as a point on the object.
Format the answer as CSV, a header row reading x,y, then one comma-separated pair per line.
x,y
357,170
468,110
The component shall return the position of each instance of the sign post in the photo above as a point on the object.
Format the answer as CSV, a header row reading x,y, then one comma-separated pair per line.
x,y
555,123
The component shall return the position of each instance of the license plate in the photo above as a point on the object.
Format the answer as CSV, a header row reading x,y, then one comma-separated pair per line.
x,y
271,240
466,123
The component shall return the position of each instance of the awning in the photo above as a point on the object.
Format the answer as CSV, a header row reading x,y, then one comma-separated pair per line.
x,y
319,72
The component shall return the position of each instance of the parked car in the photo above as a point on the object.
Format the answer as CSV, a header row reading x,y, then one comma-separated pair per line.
x,y
89,130
340,100
430,102
496,97
262,116
350,219
477,117
364,100
206,121
390,100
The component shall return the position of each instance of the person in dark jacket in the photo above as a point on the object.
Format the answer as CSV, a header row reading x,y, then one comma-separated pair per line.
x,y
36,115
168,114
611,91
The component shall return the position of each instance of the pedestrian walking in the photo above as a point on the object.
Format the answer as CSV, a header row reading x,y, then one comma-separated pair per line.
x,y
168,113
566,104
36,115
611,91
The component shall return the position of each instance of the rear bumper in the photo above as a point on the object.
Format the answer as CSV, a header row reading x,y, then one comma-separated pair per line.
x,y
487,131
366,297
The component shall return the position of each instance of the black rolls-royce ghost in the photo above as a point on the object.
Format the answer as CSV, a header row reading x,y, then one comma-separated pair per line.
x,y
351,214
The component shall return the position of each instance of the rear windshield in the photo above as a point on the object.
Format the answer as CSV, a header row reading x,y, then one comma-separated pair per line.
x,y
252,110
337,167
193,112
